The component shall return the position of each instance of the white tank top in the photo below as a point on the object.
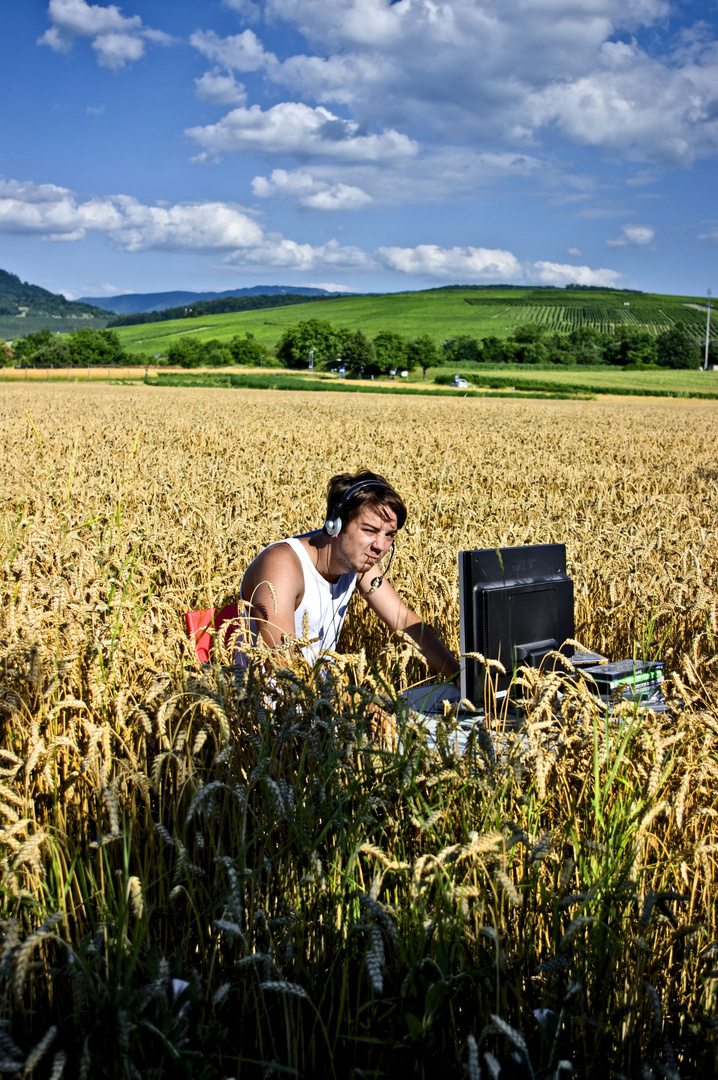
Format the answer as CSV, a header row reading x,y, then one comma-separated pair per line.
x,y
324,604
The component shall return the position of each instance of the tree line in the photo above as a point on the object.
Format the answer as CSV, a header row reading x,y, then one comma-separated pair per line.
x,y
388,351
528,344
81,348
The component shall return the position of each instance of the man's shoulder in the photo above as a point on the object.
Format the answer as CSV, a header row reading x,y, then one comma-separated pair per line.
x,y
280,554
278,568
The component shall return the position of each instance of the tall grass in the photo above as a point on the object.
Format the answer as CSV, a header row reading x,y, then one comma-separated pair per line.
x,y
201,883
275,872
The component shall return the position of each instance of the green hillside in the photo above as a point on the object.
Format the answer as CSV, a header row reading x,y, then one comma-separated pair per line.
x,y
440,313
26,308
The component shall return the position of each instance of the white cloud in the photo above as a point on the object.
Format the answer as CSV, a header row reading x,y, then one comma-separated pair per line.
x,y
633,236
330,286
643,177
551,273
117,39
575,252
457,263
220,89
55,213
116,50
337,197
638,106
711,236
477,264
314,194
96,290
435,174
276,251
248,10
194,227
515,72
51,212
378,22
95,110
78,18
297,129
241,52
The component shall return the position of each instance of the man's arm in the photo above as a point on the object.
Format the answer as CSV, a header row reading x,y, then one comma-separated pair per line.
x,y
389,606
274,585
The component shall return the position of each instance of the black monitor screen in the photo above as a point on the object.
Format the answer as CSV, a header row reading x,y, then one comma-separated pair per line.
x,y
516,606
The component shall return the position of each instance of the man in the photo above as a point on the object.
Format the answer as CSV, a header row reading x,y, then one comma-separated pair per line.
x,y
301,587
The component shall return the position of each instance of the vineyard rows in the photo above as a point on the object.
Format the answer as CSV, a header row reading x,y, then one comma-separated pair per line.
x,y
563,317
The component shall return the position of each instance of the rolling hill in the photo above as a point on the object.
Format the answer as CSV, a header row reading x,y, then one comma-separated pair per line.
x,y
25,308
441,313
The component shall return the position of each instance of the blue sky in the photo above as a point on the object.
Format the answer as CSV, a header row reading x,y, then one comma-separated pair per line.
x,y
359,144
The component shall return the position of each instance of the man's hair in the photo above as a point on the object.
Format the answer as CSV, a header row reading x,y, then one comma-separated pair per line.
x,y
371,490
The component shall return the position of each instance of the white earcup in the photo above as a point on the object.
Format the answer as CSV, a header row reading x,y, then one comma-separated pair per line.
x,y
333,526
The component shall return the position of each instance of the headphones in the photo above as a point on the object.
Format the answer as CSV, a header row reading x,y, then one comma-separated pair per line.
x,y
333,525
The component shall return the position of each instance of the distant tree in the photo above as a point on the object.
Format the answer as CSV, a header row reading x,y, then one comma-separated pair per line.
x,y
390,349
559,350
676,349
530,352
422,352
94,347
246,351
587,345
529,344
495,351
528,333
612,350
81,348
637,348
25,348
342,338
358,353
461,350
185,352
57,353
297,341
215,353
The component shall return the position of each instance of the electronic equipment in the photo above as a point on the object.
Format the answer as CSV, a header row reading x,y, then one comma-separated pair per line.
x,y
376,581
333,524
630,678
516,606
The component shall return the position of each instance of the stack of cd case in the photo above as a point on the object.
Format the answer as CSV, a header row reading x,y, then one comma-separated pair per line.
x,y
633,679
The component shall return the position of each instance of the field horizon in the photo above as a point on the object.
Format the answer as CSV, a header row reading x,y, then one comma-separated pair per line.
x,y
440,313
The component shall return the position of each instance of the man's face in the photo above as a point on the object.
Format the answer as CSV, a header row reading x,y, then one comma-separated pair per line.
x,y
366,538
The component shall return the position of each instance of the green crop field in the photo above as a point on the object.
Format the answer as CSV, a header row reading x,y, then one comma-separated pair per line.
x,y
594,380
440,313
605,313
505,380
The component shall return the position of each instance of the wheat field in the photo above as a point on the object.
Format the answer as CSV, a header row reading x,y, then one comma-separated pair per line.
x,y
210,875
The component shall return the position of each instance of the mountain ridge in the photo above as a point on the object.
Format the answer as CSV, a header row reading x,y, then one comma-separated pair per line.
x,y
139,303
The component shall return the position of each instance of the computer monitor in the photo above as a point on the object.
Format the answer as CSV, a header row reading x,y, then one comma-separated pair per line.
x,y
516,606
